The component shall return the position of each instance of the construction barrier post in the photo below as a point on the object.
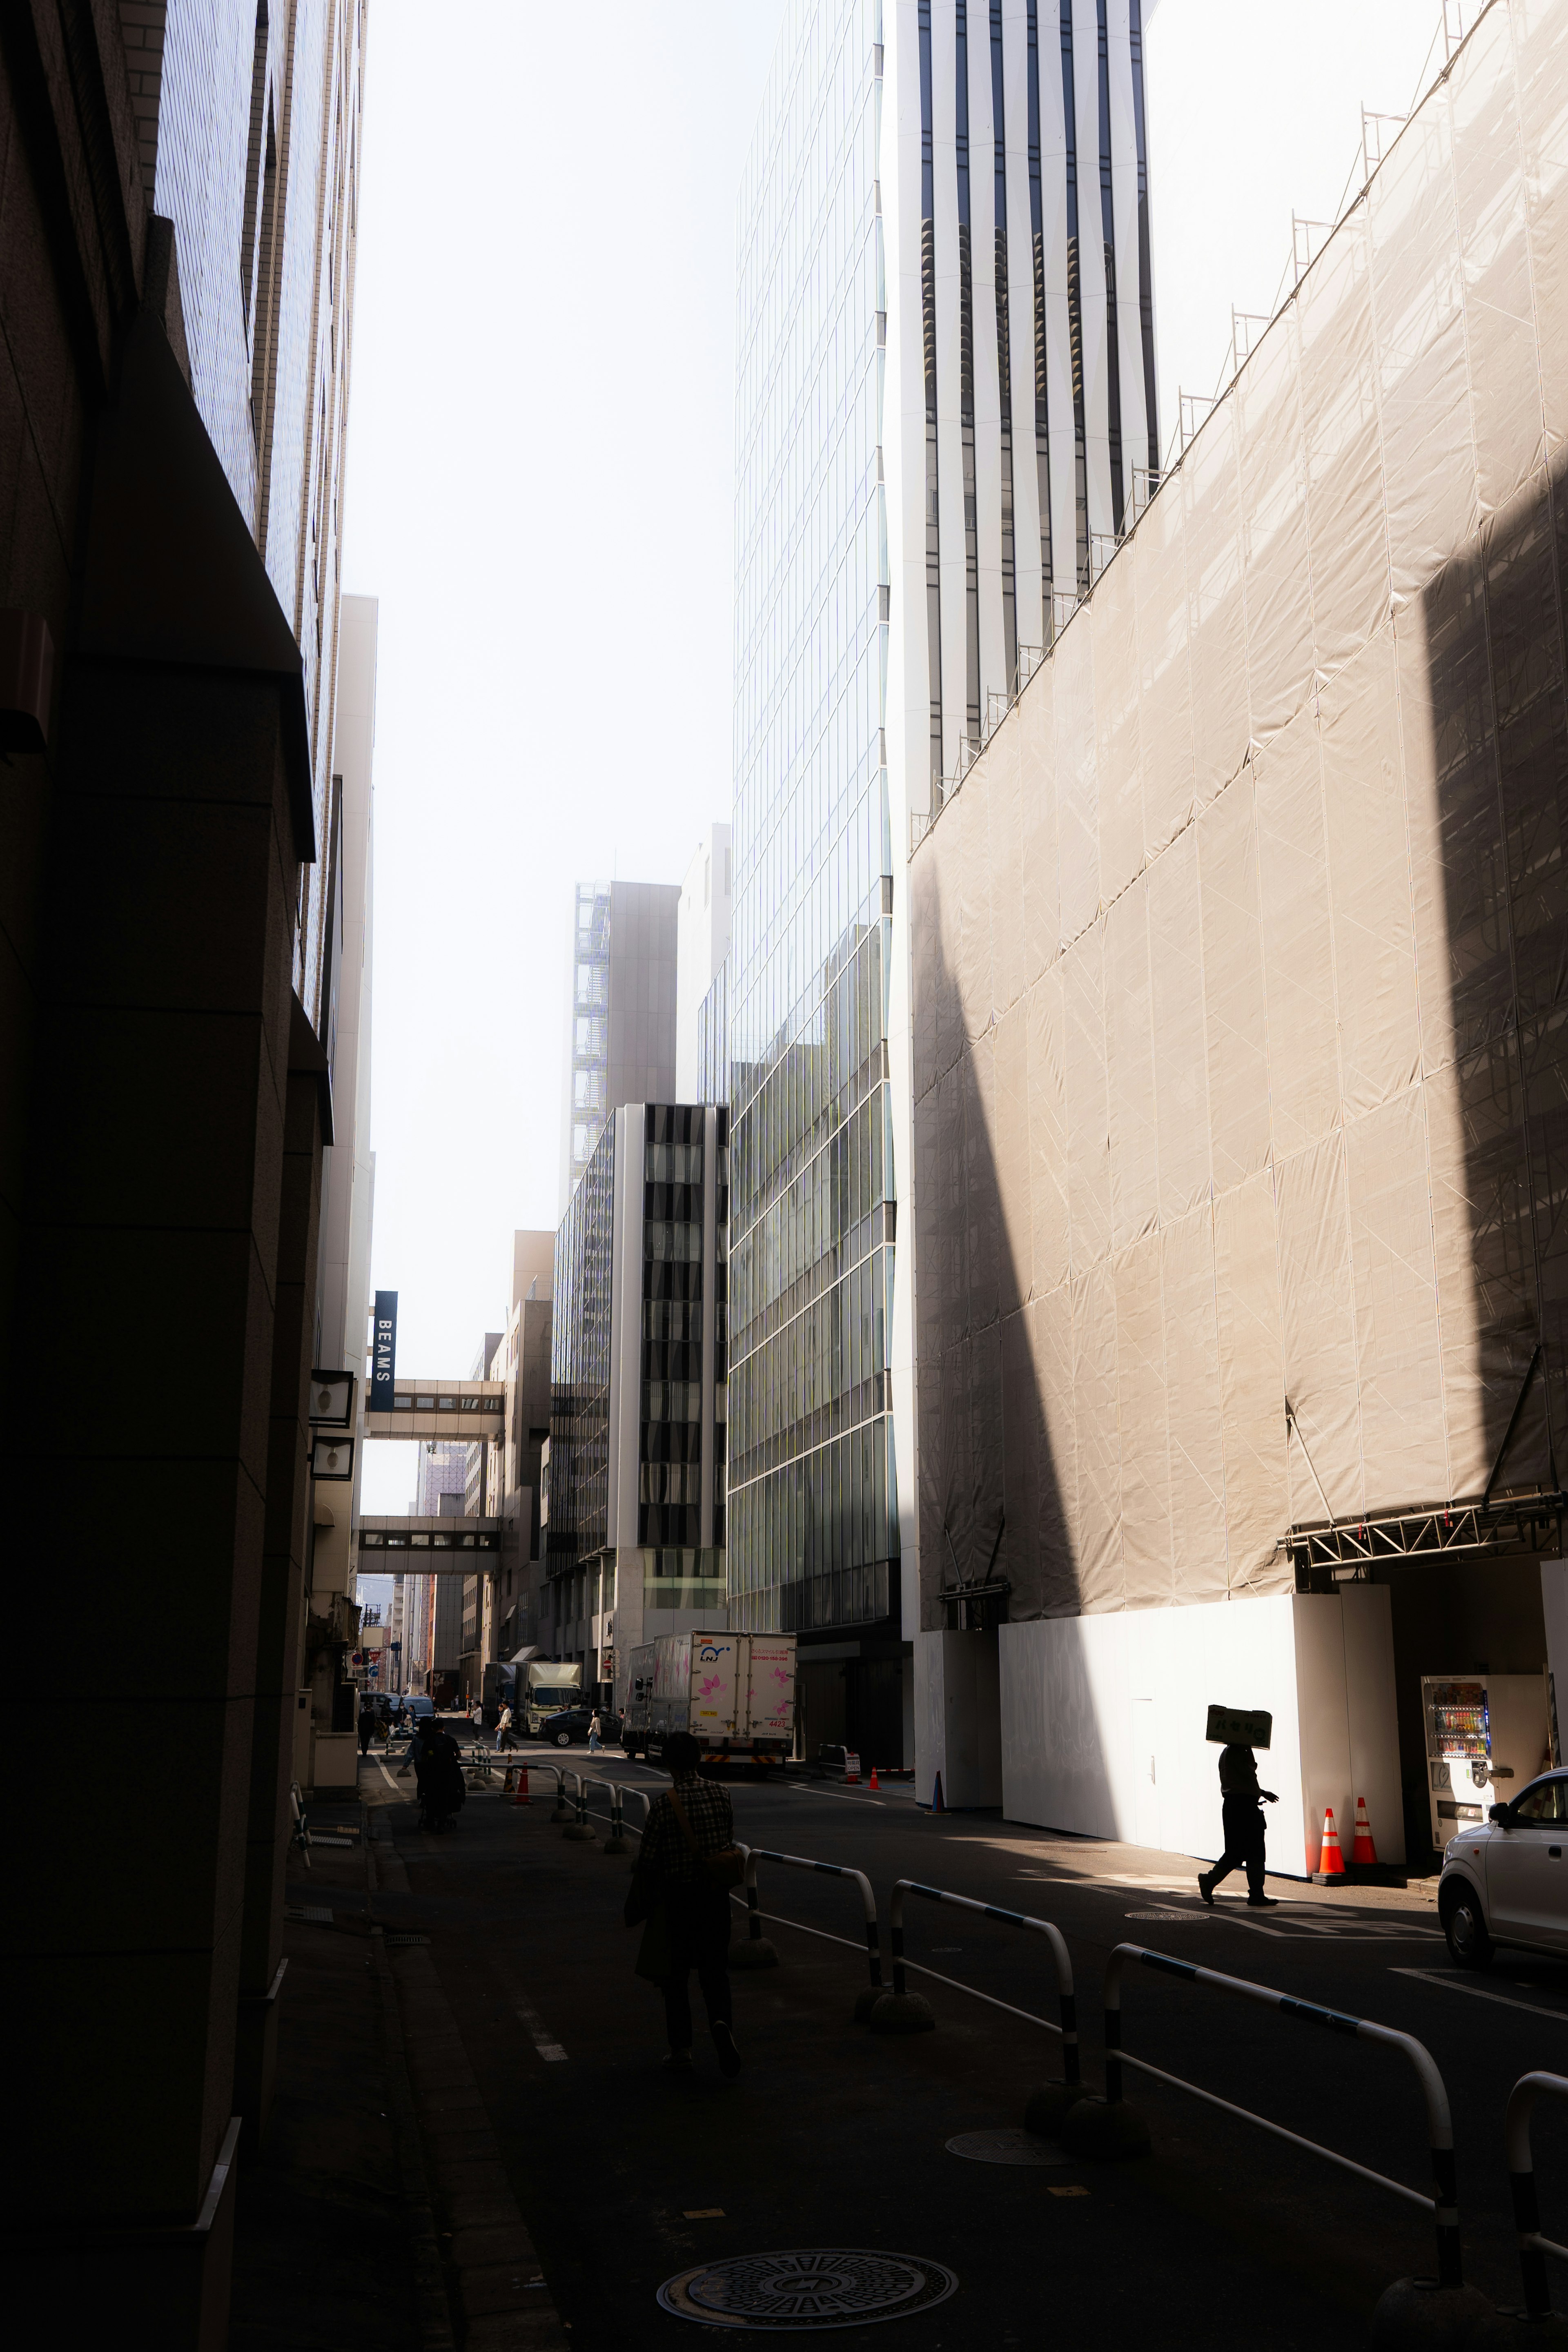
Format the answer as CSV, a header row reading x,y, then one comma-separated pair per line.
x,y
901,2011
1407,2307
756,1952
873,1991
1533,2248
577,1831
563,1808
615,1843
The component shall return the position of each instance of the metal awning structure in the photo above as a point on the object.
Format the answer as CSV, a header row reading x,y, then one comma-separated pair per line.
x,y
457,1411
1508,1526
428,1546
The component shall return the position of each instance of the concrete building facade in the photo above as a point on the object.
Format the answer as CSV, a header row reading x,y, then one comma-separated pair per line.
x,y
637,1516
1239,1072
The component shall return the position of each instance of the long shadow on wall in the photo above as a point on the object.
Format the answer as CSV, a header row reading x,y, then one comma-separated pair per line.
x,y
993,1507
1496,667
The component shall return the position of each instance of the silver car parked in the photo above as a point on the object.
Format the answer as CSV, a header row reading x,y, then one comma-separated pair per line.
x,y
1505,1881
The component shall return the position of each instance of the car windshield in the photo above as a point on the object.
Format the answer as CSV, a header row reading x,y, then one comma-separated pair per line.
x,y
1546,1802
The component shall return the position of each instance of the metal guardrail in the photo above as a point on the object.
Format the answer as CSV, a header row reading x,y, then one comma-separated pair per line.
x,y
1533,2248
1444,2206
302,1836
826,1870
1065,1997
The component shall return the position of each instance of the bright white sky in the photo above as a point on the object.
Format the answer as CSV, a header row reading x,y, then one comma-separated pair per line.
x,y
539,492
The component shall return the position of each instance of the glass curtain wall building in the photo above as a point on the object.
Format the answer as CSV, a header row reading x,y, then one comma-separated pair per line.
x,y
812,1477
913,293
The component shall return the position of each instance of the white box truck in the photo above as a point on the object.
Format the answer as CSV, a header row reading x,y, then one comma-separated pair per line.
x,y
543,1687
734,1692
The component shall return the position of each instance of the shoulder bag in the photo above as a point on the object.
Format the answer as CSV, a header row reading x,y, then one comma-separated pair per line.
x,y
722,1870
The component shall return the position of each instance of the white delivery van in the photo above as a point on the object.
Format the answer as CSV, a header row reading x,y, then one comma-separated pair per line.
x,y
734,1692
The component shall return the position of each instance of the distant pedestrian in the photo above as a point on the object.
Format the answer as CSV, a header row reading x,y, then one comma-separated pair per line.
x,y
687,1866
366,1725
442,1788
1242,1801
503,1728
595,1725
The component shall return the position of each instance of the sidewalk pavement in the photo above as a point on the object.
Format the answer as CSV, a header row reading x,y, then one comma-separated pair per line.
x,y
378,2210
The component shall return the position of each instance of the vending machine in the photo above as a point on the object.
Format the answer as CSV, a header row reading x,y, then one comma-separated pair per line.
x,y
1486,1735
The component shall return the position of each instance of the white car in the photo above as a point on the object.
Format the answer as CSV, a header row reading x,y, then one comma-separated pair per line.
x,y
1505,1881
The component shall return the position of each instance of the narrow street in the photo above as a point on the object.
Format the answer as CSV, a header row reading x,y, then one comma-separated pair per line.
x,y
624,2176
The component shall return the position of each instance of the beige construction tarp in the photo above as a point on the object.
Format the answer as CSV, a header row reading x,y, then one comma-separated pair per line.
x,y
1241,970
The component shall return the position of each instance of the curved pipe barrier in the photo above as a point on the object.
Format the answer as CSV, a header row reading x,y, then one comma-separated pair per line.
x,y
615,1842
1533,2248
826,1870
1054,1936
1444,2205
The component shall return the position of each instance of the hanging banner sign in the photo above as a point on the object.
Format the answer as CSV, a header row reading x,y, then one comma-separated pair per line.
x,y
383,1352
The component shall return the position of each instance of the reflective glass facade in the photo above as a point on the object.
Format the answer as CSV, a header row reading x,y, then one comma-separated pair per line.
x,y
813,1528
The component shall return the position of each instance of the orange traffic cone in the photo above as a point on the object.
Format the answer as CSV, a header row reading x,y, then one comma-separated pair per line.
x,y
1331,1862
873,1782
1364,1849
521,1796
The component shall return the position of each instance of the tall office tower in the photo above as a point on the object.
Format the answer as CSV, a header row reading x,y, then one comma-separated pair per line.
x,y
702,943
622,998
636,1409
944,419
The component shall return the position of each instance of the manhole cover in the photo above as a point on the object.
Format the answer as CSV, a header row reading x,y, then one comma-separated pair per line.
x,y
1191,1918
1005,2148
832,2287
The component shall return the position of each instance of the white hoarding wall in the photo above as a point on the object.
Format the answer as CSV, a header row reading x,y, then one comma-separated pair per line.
x,y
1239,956
1103,1720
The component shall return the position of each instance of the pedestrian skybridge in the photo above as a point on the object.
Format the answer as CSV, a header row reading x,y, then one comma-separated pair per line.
x,y
425,1547
456,1410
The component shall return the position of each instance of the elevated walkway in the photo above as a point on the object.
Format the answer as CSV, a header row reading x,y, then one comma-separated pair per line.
x,y
455,1410
426,1546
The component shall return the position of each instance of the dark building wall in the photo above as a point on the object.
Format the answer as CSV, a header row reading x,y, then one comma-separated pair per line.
x,y
163,1112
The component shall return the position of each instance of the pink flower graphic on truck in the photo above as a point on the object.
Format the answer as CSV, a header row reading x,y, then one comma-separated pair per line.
x,y
706,1689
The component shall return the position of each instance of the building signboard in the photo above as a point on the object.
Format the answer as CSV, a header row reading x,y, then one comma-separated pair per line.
x,y
383,1352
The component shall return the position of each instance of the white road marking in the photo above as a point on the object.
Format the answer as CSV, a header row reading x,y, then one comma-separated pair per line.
x,y
538,2032
527,2015
388,1778
839,1796
1458,1984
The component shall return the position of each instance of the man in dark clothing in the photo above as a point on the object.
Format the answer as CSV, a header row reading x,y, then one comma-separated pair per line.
x,y
441,1785
1242,1801
366,1725
693,1821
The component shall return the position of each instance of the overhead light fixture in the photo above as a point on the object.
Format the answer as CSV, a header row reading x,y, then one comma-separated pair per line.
x,y
332,1400
331,1458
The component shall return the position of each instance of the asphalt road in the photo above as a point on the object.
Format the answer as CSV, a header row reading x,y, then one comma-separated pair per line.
x,y
836,2138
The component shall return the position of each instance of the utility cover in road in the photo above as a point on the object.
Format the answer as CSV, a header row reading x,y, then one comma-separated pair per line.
x,y
789,2293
